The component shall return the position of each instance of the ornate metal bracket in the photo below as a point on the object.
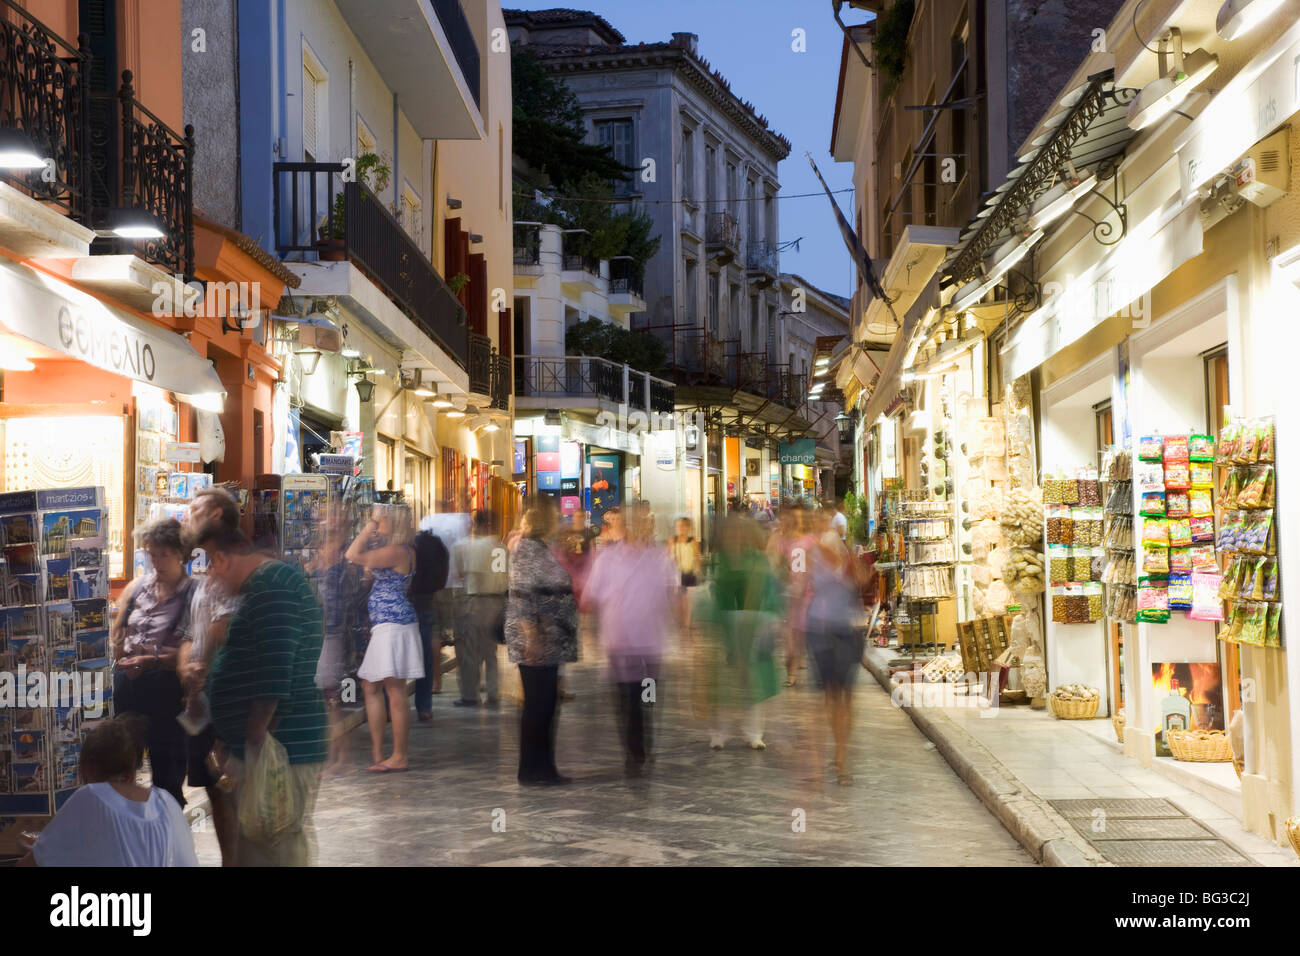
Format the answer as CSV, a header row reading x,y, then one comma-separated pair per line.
x,y
1103,230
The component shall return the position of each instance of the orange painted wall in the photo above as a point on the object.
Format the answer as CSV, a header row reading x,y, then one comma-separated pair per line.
x,y
65,383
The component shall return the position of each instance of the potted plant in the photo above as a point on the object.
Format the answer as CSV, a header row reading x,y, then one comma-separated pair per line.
x,y
331,245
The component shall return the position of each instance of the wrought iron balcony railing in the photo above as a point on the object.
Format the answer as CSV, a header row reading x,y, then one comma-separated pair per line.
x,y
43,95
528,246
722,235
580,263
583,376
480,364
461,37
158,178
623,279
311,223
502,384
761,258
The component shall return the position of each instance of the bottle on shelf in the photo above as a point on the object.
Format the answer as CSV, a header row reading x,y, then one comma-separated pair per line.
x,y
1175,714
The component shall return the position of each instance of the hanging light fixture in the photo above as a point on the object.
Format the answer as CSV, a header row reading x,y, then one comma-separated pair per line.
x,y
365,390
135,224
1178,77
308,359
1060,199
17,150
998,265
1238,17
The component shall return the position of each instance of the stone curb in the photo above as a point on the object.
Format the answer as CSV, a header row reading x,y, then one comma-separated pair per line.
x,y
1043,832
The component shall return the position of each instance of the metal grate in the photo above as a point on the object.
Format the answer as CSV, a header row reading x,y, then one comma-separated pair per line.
x,y
1146,832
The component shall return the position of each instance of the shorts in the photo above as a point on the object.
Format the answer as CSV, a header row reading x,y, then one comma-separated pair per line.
x,y
837,651
197,749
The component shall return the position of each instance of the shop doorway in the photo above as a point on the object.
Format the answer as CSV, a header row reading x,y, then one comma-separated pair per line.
x,y
1217,399
1115,630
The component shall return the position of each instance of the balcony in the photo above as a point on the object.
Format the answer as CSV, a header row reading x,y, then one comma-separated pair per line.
x,y
311,224
581,273
426,54
762,264
480,365
43,95
626,292
578,380
502,383
721,237
528,250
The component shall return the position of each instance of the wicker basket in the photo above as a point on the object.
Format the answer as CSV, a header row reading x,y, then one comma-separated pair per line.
x,y
1117,721
1200,746
1073,709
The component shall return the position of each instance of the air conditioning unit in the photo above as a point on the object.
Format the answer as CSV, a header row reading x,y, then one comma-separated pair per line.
x,y
1261,176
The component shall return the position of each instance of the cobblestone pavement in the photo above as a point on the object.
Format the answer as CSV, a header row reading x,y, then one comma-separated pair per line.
x,y
692,806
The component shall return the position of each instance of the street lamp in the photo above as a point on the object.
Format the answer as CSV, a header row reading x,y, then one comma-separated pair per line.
x,y
845,424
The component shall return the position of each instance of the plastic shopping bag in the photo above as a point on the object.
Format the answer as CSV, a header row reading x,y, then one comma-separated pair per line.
x,y
268,804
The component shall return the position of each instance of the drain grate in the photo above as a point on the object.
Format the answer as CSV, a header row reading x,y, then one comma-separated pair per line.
x,y
1146,832
1170,853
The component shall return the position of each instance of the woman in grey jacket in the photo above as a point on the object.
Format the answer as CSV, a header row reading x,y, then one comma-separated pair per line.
x,y
541,634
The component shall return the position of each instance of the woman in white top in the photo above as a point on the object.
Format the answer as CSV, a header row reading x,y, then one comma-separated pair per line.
x,y
112,821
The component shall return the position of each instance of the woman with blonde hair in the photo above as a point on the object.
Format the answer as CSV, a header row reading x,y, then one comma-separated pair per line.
x,y
384,548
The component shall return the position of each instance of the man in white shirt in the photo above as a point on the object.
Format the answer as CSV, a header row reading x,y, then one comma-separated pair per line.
x,y
839,523
481,561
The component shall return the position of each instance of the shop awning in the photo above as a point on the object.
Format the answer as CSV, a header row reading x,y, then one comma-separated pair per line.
x,y
59,317
890,373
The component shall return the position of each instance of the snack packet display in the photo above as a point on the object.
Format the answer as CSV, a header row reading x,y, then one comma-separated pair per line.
x,y
1231,489
1248,451
1175,449
1202,528
1180,560
1257,490
1150,476
1256,532
1178,476
1266,440
1153,504
1155,559
1273,631
1155,531
1151,448
1180,592
1230,531
1206,605
1180,532
1202,473
1229,444
1200,503
1200,448
1153,600
1203,557
1255,625
1178,504
1268,585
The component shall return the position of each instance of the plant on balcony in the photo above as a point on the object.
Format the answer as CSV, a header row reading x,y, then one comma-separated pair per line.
x,y
372,171
458,282
891,43
639,350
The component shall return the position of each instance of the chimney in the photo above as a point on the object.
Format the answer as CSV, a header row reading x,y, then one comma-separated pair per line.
x,y
687,41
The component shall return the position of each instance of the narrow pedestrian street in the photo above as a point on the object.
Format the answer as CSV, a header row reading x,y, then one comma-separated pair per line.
x,y
693,806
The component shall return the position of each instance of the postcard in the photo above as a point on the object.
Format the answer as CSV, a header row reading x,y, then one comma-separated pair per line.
x,y
92,644
28,652
23,559
28,744
27,718
87,553
22,589
28,777
20,621
59,625
18,529
91,614
89,583
58,579
67,724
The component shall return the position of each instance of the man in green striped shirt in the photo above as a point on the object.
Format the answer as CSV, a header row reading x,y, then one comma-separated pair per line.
x,y
263,682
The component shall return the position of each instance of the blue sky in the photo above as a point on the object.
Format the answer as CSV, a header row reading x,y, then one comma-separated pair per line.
x,y
749,41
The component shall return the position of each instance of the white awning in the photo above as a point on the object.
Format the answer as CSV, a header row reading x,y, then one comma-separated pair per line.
x,y
56,315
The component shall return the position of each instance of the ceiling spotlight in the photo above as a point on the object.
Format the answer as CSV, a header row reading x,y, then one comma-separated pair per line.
x,y
1177,79
17,150
491,427
1237,17
455,413
1058,200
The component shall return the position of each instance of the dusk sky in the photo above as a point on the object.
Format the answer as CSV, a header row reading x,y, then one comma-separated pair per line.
x,y
749,42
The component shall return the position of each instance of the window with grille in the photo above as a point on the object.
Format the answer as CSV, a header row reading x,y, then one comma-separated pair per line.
x,y
412,221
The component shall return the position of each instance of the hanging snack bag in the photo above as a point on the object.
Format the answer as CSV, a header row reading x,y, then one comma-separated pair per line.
x,y
1200,503
1228,581
1202,474
1268,587
1231,489
1254,629
1257,530
1175,449
1178,476
1153,504
1251,587
1155,531
1150,476
1180,592
1230,531
1153,601
1206,605
1203,558
1229,444
1178,504
1180,532
1180,560
1273,631
1200,448
1256,487
1155,559
1202,528
1267,440
1248,452
1151,448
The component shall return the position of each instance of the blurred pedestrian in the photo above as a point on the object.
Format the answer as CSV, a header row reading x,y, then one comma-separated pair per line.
x,y
633,591
211,606
264,676
337,584
146,638
542,633
481,561
393,655
432,566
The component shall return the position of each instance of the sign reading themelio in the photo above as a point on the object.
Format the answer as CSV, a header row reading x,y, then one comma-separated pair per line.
x,y
801,452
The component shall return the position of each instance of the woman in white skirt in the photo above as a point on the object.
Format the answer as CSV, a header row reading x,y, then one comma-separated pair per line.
x,y
384,548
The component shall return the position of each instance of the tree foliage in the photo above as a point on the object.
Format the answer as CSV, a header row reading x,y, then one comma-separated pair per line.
x,y
641,350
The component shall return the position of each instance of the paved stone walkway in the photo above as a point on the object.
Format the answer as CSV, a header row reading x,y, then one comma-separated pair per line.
x,y
694,806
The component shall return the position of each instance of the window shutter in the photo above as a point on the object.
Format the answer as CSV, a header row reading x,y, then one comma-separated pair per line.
x,y
309,145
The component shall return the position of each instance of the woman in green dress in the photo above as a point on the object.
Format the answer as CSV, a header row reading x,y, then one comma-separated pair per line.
x,y
745,610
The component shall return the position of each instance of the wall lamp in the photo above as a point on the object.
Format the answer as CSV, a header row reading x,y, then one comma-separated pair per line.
x,y
308,359
1060,199
17,151
1179,75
